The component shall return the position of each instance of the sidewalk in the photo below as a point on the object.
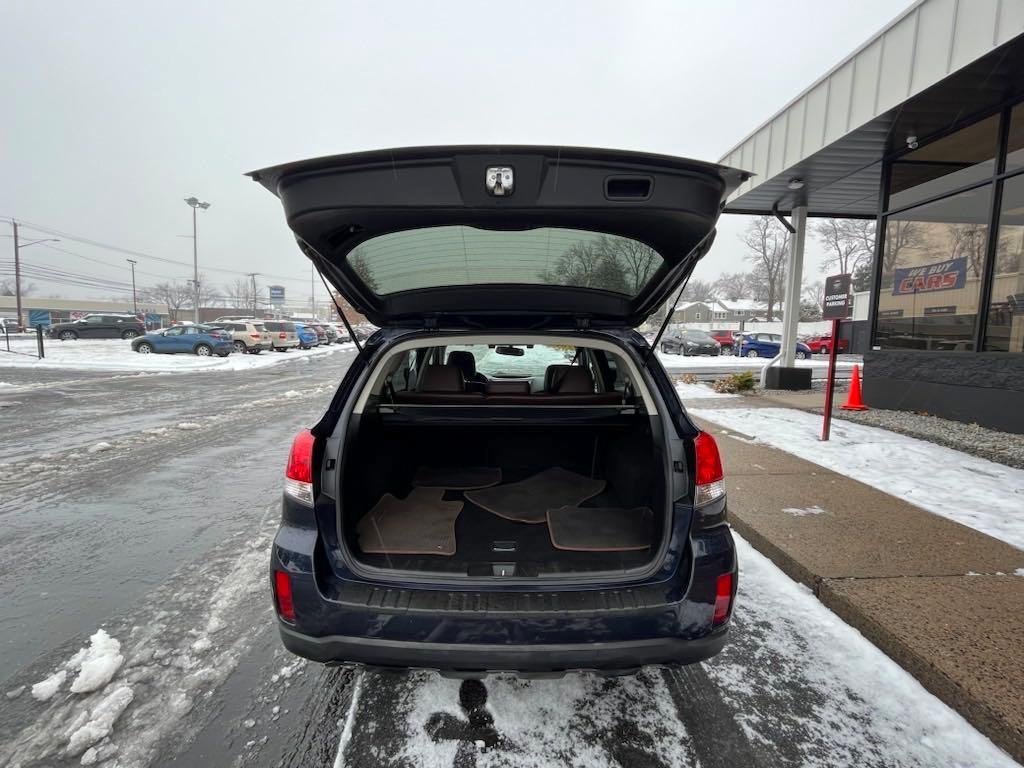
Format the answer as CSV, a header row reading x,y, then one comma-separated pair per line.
x,y
939,598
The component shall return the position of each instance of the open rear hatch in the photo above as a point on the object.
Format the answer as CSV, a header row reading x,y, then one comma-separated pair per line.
x,y
512,236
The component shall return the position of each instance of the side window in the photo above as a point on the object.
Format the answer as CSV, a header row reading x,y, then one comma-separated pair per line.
x,y
401,379
174,331
94,320
191,331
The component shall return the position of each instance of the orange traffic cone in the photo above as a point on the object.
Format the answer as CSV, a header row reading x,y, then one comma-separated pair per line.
x,y
853,401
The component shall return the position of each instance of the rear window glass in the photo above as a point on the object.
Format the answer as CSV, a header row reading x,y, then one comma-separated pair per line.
x,y
461,255
516,360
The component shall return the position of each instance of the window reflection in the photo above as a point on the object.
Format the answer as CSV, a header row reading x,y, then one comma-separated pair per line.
x,y
932,264
1005,331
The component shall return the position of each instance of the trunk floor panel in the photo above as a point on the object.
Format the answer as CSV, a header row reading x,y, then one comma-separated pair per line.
x,y
601,529
528,501
477,531
420,524
456,478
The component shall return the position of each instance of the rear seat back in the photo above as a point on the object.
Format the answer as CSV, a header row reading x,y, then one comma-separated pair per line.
x,y
565,385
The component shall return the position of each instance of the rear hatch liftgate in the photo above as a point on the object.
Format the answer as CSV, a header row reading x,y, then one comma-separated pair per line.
x,y
512,236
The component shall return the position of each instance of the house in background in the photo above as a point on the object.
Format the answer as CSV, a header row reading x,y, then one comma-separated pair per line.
x,y
725,311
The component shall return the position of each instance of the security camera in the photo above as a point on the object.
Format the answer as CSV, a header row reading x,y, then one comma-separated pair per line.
x,y
911,142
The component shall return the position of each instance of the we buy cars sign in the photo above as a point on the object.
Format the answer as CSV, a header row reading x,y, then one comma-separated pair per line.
x,y
836,305
941,276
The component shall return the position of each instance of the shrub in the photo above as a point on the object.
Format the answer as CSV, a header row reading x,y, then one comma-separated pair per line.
x,y
736,383
689,378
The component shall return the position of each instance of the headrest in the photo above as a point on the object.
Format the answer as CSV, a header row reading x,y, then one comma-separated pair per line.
x,y
568,380
464,361
441,378
507,387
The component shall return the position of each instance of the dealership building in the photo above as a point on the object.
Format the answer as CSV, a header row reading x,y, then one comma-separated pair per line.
x,y
922,130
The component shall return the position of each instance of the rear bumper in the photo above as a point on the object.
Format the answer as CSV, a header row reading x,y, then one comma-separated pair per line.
x,y
284,343
455,657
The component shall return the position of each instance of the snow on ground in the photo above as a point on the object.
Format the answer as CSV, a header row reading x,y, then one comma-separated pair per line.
x,y
689,392
794,667
802,687
117,355
980,494
137,690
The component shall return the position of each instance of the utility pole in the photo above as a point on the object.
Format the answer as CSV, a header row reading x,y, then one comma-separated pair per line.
x,y
17,277
195,204
252,275
135,298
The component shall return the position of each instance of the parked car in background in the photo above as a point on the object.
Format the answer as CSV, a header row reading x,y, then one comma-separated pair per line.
x,y
329,329
768,345
9,325
724,339
283,335
307,336
247,335
99,326
689,342
318,329
202,340
342,334
231,318
823,344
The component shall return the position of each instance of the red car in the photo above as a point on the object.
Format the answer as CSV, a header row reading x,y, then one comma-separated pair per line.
x,y
724,338
823,344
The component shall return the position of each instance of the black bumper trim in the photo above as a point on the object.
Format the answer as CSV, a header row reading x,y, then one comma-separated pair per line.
x,y
502,658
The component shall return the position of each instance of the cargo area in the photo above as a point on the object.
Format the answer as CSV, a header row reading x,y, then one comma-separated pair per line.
x,y
529,498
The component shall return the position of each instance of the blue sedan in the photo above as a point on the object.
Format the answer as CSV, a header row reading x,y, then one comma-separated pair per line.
x,y
308,338
767,345
202,340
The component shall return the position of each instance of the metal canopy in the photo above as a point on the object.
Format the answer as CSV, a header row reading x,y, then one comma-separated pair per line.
x,y
935,66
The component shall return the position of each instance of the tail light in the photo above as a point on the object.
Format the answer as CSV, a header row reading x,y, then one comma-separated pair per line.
x,y
710,478
298,477
283,595
723,599
254,336
282,335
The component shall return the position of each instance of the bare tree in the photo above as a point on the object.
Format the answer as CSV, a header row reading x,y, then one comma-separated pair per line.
x,y
698,290
968,240
814,293
846,241
899,235
638,260
176,295
7,288
589,265
767,242
357,261
239,293
733,286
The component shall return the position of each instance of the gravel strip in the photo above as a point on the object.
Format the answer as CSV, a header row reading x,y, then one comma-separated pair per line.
x,y
1002,447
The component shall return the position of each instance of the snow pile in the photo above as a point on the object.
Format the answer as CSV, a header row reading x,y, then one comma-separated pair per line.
x,y
979,494
819,366
44,689
187,425
699,392
96,664
117,355
99,721
99,447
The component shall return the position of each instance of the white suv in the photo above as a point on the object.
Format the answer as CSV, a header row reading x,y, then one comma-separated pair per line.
x,y
247,335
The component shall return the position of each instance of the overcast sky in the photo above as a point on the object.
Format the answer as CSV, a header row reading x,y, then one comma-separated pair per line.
x,y
112,113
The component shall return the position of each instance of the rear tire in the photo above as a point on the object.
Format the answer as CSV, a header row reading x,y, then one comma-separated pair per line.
x,y
752,353
801,355
204,350
129,334
68,336
240,347
144,348
255,351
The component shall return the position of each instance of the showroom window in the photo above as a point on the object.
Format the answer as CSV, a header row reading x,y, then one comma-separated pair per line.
x,y
1005,329
954,161
932,266
1015,140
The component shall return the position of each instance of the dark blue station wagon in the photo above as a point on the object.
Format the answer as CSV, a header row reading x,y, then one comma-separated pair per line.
x,y
505,479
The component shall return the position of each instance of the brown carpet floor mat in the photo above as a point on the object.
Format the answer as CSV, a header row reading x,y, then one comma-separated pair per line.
x,y
528,501
601,529
456,478
422,523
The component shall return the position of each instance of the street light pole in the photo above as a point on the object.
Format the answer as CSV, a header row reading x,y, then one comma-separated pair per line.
x,y
195,204
135,299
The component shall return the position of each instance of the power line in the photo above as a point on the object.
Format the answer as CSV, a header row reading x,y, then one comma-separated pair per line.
x,y
139,254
